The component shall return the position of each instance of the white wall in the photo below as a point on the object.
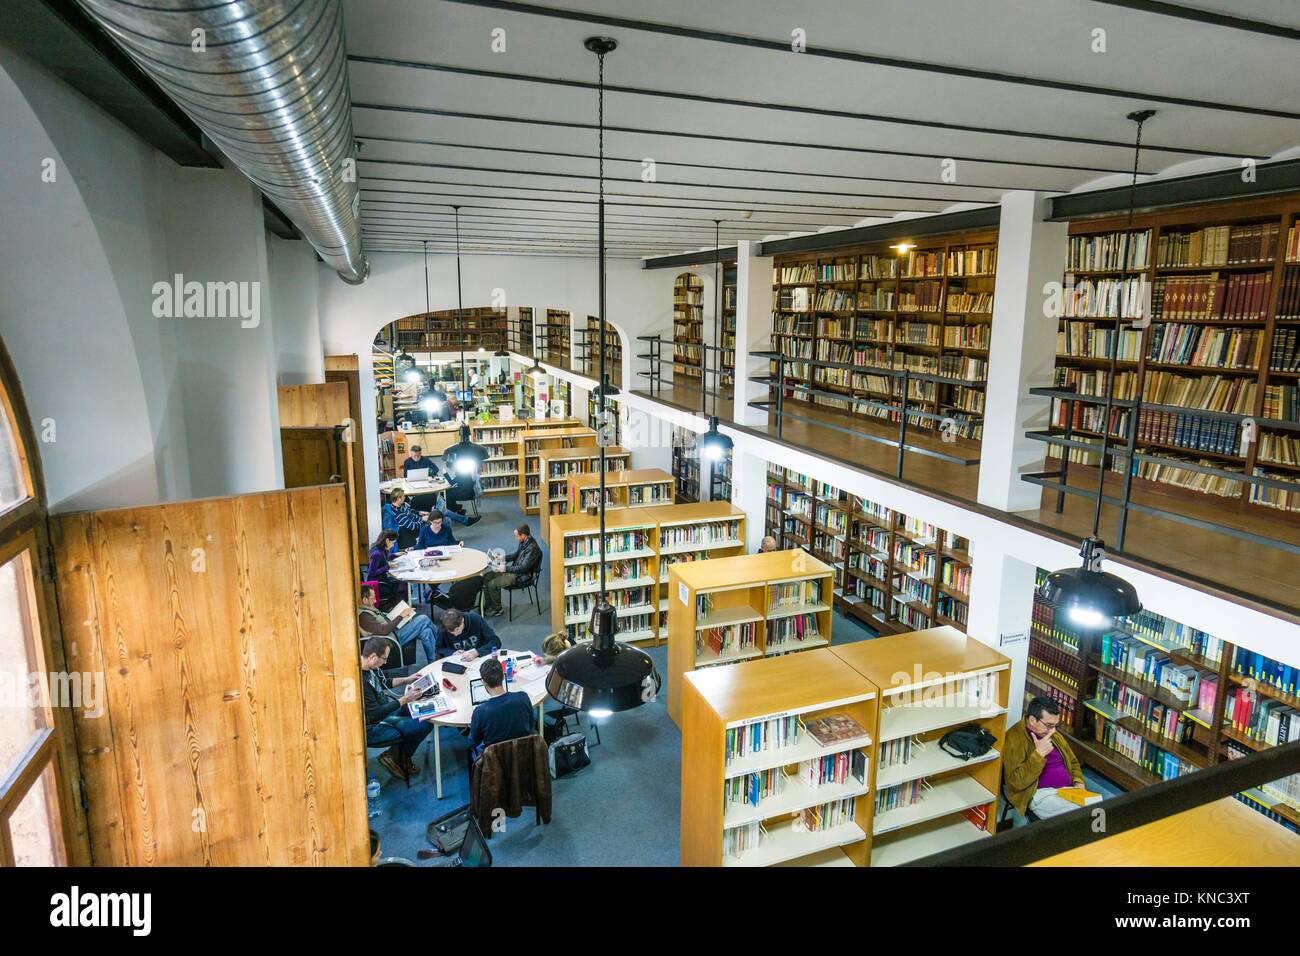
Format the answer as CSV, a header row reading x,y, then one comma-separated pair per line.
x,y
78,257
291,264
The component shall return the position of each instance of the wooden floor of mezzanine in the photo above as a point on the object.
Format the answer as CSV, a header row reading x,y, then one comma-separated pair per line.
x,y
1237,569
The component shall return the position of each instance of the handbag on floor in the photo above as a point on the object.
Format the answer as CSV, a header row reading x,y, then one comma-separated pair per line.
x,y
568,755
448,833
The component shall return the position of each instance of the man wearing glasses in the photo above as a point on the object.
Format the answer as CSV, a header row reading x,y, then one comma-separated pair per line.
x,y
1037,761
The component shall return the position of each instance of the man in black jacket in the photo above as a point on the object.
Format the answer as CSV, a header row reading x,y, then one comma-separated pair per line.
x,y
464,633
523,562
388,721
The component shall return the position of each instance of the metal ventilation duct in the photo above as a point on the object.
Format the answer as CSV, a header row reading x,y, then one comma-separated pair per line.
x,y
266,80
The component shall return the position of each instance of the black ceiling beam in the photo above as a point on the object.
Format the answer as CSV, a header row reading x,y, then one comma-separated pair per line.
x,y
60,37
899,63
722,138
1212,17
963,221
674,182
848,212
706,257
1036,135
1225,184
676,162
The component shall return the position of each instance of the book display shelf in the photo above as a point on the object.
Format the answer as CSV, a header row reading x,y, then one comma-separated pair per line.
x,y
641,544
686,464
688,325
557,465
831,757
552,337
499,474
1155,699
1208,328
444,331
841,320
893,572
543,434
760,789
635,488
752,605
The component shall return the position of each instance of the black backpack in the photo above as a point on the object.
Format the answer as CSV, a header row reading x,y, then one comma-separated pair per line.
x,y
967,742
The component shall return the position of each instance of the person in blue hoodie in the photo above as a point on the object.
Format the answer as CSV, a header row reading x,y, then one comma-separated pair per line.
x,y
437,533
400,518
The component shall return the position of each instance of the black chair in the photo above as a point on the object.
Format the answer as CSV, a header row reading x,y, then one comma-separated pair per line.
x,y
1030,815
523,582
463,595
399,657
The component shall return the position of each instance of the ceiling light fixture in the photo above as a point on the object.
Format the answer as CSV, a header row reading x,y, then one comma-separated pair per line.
x,y
1093,599
465,457
603,676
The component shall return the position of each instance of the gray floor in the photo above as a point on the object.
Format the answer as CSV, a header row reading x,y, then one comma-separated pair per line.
x,y
623,810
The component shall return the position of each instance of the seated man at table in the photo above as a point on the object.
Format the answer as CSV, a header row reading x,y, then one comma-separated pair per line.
x,y
408,628
525,560
466,634
388,721
1037,761
436,533
417,462
461,489
504,716
399,517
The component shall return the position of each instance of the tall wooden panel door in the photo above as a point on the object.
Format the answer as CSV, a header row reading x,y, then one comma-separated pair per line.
x,y
231,731
323,456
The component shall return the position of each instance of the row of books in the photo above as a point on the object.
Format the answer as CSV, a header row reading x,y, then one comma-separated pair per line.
x,y
1183,682
1158,718
762,736
898,753
649,494
616,543
826,816
918,333
575,604
632,626
751,789
980,261
1262,719
1095,382
585,575
1243,297
1285,356
1140,750
1218,245
703,533
737,841
1086,340
1157,627
901,795
1221,436
792,593
1279,449
1064,702
734,637
1282,499
793,629
1205,346
1288,299
923,297
839,768
499,434
1105,298
978,302
975,336
1104,252
1282,677
953,608
1216,393
1055,661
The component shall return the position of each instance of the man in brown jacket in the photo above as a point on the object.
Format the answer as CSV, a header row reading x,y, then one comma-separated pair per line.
x,y
1037,761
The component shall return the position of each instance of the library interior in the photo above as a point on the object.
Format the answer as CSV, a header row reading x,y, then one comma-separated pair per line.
x,y
835,434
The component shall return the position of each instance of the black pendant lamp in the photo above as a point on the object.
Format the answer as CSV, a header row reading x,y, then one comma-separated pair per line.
x,y
465,457
433,399
1093,599
714,445
603,676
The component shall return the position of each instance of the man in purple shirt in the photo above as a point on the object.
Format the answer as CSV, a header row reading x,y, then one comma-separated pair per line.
x,y
1037,761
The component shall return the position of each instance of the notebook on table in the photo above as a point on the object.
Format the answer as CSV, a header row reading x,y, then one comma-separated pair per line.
x,y
430,707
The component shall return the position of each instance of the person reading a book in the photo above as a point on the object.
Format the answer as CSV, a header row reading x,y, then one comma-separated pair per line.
x,y
464,634
377,570
504,716
388,719
1037,762
403,623
523,562
436,533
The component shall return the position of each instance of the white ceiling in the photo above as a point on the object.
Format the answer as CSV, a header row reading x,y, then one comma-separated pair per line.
x,y
498,143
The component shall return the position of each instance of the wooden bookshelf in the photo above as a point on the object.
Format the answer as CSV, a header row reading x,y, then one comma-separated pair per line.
x,y
1214,274
499,474
893,572
930,682
555,467
727,357
447,330
1122,693
611,407
722,702
929,309
741,603
394,446
523,339
539,435
635,488
686,464
670,534
552,338
591,352
688,325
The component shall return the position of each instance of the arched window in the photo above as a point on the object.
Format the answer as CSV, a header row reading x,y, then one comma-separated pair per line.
x,y
39,820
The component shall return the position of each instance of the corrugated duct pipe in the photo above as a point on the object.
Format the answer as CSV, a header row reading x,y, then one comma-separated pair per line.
x,y
266,80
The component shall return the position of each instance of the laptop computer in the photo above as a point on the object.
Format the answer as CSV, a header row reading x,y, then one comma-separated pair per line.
x,y
477,692
417,474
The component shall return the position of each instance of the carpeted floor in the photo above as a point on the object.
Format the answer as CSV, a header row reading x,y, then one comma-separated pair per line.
x,y
623,810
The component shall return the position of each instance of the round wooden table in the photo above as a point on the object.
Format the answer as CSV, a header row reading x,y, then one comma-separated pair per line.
x,y
531,680
455,566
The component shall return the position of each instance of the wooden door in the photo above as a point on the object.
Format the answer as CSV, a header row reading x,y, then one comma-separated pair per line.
x,y
323,456
225,632
346,369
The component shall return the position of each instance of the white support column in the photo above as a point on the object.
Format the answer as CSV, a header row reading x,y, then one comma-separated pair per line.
x,y
753,330
749,492
1001,609
1022,351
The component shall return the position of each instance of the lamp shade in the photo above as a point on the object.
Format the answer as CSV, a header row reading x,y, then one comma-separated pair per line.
x,y
713,444
603,678
465,457
1091,599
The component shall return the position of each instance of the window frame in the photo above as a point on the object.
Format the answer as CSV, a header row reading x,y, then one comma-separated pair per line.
x,y
24,532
